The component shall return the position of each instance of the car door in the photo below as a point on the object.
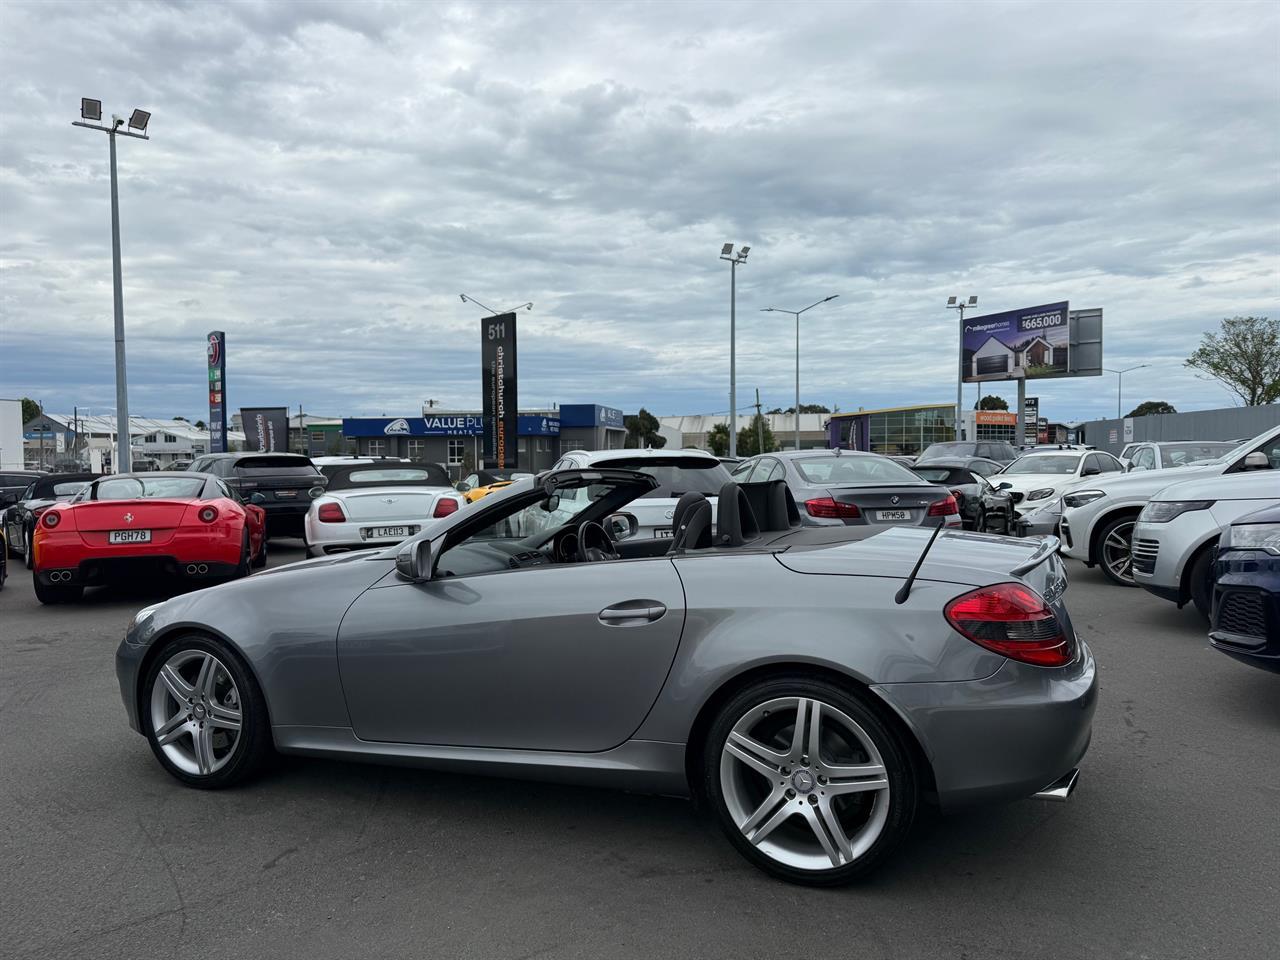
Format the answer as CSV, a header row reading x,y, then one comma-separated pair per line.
x,y
563,657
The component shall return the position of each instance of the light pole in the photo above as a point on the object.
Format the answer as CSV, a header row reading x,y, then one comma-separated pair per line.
x,y
958,303
726,253
492,312
1120,384
138,120
796,314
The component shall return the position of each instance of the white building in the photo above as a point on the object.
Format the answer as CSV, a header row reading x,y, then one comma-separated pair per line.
x,y
54,438
692,430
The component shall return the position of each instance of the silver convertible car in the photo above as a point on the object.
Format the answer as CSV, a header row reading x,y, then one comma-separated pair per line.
x,y
810,685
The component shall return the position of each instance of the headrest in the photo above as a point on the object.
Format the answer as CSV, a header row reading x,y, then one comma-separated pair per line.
x,y
735,520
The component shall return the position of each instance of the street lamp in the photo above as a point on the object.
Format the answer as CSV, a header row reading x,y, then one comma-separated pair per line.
x,y
1120,383
726,253
91,110
960,303
796,314
492,312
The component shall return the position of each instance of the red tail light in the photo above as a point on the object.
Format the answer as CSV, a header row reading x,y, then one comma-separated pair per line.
x,y
445,507
831,509
208,514
1012,620
51,519
331,513
944,507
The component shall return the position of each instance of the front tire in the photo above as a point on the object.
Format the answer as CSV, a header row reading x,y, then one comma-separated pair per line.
x,y
1115,551
1200,582
203,714
807,781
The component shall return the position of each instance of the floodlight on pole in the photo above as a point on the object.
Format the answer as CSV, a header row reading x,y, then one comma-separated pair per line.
x,y
796,314
726,253
959,303
1120,384
91,110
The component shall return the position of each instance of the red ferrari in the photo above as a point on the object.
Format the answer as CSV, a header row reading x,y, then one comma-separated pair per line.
x,y
131,526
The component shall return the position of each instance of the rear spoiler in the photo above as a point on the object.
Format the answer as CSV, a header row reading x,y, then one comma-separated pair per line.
x,y
1048,547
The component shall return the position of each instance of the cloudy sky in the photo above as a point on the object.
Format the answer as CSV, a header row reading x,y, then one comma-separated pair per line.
x,y
324,179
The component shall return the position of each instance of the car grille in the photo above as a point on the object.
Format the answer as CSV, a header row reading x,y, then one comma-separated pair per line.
x,y
1242,613
1144,555
1064,530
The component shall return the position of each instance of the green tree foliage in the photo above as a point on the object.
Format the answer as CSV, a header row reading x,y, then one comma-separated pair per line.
x,y
199,425
804,408
30,410
750,437
1245,356
642,431
718,439
992,402
1149,407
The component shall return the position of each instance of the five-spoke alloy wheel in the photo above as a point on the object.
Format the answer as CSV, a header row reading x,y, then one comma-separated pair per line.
x,y
1115,550
203,714
808,782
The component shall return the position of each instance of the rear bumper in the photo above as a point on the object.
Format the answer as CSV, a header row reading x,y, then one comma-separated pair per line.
x,y
126,569
63,550
1003,738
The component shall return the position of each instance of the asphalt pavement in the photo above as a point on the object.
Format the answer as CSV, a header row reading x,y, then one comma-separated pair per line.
x,y
1169,848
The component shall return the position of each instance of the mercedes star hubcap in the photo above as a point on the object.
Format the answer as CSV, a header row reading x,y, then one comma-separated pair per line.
x,y
196,712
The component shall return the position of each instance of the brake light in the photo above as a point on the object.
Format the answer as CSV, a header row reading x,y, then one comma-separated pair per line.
x,y
51,519
208,514
445,506
831,509
331,513
1012,620
944,507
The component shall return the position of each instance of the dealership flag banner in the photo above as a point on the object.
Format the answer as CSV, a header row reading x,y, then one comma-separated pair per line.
x,y
1025,344
216,352
498,371
266,429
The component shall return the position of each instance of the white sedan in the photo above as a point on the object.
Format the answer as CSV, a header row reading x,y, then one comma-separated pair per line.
x,y
377,504
1037,479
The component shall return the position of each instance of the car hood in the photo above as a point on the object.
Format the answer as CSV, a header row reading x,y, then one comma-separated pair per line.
x,y
1243,486
1025,482
1144,483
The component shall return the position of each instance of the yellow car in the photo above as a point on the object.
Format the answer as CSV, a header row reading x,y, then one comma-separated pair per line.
x,y
484,482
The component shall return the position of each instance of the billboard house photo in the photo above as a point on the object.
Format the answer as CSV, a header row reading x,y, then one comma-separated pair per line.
x,y
1017,345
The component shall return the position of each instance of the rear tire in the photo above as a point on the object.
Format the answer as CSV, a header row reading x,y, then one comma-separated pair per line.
x,y
26,557
245,566
1200,582
260,560
823,809
50,595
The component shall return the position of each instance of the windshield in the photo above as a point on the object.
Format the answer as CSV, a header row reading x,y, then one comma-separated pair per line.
x,y
1063,464
134,488
700,476
1181,454
844,471
276,467
393,476
536,518
63,490
934,474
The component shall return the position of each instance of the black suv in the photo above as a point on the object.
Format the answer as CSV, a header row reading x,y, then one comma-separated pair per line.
x,y
283,484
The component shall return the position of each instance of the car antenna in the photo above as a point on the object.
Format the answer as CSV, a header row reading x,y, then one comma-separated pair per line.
x,y
905,590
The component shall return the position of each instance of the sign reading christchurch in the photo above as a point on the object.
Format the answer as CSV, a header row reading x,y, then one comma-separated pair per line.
x,y
216,353
266,429
1022,344
498,372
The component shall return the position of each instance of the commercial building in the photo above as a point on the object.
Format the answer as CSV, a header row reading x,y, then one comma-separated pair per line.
x,y
58,439
693,430
893,430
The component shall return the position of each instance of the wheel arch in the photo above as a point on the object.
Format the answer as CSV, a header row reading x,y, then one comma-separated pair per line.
x,y
696,742
1193,556
1095,532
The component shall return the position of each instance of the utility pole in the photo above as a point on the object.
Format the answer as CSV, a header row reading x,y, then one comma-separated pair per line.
x,y
759,425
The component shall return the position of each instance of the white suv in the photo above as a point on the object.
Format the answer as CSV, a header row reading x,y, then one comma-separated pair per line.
x,y
1175,534
1098,515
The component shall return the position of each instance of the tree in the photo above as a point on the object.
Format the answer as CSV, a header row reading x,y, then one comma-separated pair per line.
x,y
642,430
1149,407
199,425
183,419
1245,356
749,437
30,410
718,439
804,408
992,402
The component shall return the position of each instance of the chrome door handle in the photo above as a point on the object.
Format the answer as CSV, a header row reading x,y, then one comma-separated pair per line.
x,y
632,613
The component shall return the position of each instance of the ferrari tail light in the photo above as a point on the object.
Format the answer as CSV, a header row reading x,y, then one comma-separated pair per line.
x,y
944,507
331,513
445,506
51,519
208,514
832,509
1012,620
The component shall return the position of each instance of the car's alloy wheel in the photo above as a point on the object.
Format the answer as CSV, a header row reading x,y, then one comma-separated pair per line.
x,y
203,714
809,783
1115,550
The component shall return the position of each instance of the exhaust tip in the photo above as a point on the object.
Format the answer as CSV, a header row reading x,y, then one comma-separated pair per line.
x,y
191,569
203,568
1061,789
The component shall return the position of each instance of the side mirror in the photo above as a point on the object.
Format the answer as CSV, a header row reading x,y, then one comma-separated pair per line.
x,y
551,504
258,498
1090,472
622,525
462,486
1256,461
414,561
1006,485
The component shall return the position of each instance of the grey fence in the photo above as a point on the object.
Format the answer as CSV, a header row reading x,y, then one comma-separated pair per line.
x,y
1228,423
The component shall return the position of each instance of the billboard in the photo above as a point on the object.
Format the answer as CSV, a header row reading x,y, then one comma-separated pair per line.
x,y
1025,344
498,374
216,354
266,429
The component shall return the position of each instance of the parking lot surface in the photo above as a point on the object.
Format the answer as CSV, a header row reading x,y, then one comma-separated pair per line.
x,y
1167,849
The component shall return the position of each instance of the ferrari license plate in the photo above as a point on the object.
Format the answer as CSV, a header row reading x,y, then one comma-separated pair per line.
x,y
129,536
662,533
893,514
386,533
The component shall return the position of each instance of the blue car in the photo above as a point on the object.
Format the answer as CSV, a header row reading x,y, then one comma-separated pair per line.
x,y
1246,593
